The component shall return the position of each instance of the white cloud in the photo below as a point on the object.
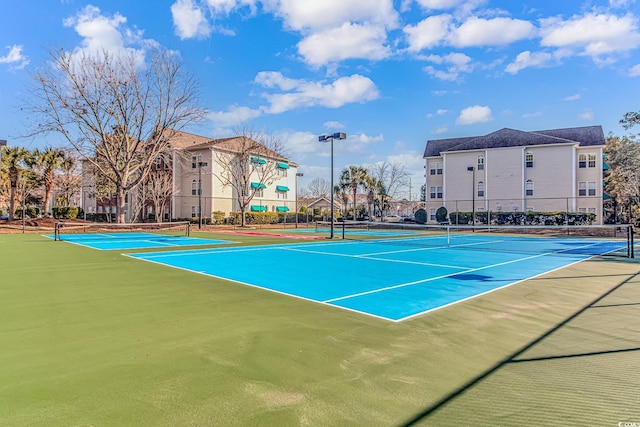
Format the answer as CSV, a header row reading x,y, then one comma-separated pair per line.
x,y
441,130
307,16
333,125
621,3
101,32
634,71
439,4
458,63
572,97
587,116
592,34
428,33
15,57
302,93
234,116
528,59
189,20
474,114
491,32
439,112
530,115
344,42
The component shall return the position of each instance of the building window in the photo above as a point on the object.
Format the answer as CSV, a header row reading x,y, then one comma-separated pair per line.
x,y
592,210
528,188
528,158
582,160
435,168
592,160
259,192
194,188
282,172
439,191
432,192
158,162
582,188
432,214
194,212
195,160
481,162
592,188
480,189
582,210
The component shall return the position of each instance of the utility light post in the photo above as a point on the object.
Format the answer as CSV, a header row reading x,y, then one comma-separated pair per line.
x,y
298,174
200,166
322,138
473,194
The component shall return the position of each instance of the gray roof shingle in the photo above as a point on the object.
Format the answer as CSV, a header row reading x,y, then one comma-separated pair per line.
x,y
583,136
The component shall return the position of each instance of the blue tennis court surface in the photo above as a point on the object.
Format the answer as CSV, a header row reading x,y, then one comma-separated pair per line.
x,y
393,279
139,240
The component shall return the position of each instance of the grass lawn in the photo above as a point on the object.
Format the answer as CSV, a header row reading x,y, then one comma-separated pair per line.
x,y
94,338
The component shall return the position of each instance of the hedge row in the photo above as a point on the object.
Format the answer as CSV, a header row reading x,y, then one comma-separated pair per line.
x,y
523,218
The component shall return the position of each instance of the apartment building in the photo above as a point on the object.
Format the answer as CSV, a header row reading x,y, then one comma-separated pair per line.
x,y
203,175
557,170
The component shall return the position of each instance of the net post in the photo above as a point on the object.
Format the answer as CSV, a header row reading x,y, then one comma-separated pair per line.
x,y
630,249
343,230
188,230
448,235
55,231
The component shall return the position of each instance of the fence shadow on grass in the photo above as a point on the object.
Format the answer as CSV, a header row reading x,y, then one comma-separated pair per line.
x,y
559,375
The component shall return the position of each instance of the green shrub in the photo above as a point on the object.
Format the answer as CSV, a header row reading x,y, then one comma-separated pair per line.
x,y
421,216
65,212
217,217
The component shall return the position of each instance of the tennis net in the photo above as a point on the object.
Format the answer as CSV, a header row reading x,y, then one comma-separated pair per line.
x,y
611,240
64,230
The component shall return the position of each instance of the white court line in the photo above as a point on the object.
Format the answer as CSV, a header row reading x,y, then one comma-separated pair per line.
x,y
375,259
417,282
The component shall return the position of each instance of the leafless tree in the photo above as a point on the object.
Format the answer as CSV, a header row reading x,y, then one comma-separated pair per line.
x,y
319,188
118,114
393,176
69,181
160,187
247,164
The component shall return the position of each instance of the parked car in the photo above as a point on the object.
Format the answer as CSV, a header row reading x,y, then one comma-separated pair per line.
x,y
391,218
407,218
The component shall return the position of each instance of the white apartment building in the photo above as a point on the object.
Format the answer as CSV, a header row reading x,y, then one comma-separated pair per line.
x,y
558,170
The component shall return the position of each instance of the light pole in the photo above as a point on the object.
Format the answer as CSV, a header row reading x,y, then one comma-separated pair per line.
x,y
298,174
321,138
200,166
3,143
473,194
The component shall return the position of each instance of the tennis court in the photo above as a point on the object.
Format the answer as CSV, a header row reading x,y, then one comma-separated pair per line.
x,y
393,279
110,237
119,241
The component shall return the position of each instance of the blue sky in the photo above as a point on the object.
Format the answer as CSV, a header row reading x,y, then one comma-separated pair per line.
x,y
392,74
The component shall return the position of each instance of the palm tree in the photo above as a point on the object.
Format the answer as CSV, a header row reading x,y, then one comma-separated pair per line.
x,y
47,162
371,185
352,178
15,160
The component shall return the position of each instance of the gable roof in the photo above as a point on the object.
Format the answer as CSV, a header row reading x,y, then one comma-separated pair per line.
x,y
188,141
583,136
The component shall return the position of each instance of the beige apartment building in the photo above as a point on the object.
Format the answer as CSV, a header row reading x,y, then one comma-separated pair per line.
x,y
558,170
203,175
213,166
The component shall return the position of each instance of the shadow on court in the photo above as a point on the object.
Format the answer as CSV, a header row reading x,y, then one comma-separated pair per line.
x,y
583,371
